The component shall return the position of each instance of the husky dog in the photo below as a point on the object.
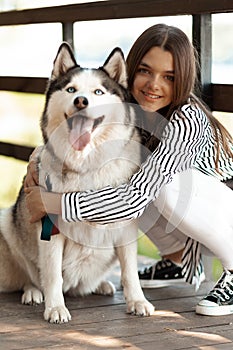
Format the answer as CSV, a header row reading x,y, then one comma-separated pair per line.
x,y
89,142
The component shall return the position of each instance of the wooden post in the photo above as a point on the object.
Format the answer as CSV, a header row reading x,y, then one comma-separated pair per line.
x,y
68,33
202,40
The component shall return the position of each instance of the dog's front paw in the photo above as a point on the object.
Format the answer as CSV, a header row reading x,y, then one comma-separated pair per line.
x,y
140,307
32,296
106,288
58,314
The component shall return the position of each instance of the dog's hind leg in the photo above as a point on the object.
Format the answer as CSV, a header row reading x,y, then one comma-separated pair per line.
x,y
12,276
31,295
105,288
51,254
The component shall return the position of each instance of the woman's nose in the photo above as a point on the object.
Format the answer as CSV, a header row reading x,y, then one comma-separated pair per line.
x,y
154,81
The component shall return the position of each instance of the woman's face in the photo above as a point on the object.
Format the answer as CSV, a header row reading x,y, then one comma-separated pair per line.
x,y
153,81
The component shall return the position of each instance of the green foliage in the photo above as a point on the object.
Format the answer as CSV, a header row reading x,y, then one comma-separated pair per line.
x,y
19,120
11,177
146,247
217,269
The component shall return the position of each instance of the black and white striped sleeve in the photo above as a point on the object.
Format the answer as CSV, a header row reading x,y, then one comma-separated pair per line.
x,y
180,145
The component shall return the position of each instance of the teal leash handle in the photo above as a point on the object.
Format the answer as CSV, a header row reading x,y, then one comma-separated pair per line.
x,y
48,221
47,227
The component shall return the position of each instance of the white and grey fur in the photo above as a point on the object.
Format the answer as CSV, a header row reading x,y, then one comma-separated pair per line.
x,y
77,260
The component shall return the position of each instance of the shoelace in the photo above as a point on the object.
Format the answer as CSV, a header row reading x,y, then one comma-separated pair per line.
x,y
146,270
156,266
224,284
162,264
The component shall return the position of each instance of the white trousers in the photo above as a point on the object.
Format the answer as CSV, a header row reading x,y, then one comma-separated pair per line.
x,y
197,206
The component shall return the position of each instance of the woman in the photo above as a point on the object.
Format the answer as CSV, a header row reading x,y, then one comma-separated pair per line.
x,y
162,73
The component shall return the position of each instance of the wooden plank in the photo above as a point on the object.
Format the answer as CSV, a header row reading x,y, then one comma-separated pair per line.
x,y
23,84
225,346
222,97
16,151
202,40
68,33
113,10
100,321
165,329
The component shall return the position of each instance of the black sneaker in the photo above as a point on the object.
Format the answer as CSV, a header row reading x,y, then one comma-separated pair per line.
x,y
163,273
219,301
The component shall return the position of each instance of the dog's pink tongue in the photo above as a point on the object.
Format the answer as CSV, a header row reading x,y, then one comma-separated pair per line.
x,y
80,133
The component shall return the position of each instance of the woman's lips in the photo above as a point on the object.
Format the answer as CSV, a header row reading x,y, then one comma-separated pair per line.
x,y
152,96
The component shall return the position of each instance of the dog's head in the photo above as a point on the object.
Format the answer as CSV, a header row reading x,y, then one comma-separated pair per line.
x,y
83,104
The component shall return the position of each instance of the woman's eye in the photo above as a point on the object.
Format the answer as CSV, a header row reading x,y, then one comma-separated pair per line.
x,y
98,92
71,89
169,77
143,70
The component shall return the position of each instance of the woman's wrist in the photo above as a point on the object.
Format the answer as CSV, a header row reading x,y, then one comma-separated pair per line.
x,y
52,202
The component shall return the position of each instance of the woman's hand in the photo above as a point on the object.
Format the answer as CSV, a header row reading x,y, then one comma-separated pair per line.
x,y
40,202
32,176
35,203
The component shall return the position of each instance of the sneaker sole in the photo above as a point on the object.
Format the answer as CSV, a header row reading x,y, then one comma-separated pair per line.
x,y
160,283
166,283
214,310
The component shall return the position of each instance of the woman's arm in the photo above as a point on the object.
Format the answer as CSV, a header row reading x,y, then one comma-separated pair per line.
x,y
182,140
181,143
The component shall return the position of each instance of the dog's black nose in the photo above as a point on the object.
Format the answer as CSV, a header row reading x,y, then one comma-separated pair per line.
x,y
81,102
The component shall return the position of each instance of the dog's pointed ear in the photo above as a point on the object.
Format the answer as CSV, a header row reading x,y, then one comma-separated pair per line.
x,y
115,66
64,61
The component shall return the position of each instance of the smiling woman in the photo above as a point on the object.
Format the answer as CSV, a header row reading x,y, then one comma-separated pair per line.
x,y
153,82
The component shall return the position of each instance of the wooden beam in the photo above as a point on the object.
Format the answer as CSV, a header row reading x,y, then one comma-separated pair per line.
x,y
15,151
114,9
202,40
222,97
23,84
68,33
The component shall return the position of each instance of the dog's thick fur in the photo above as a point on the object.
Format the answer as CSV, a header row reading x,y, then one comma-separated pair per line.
x,y
89,142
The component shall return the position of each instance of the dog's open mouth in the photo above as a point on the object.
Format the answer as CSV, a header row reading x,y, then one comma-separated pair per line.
x,y
81,128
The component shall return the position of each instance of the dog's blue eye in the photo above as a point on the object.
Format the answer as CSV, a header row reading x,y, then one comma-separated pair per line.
x,y
71,89
98,92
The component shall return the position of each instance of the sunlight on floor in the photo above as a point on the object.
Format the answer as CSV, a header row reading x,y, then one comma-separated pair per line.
x,y
100,341
166,313
205,336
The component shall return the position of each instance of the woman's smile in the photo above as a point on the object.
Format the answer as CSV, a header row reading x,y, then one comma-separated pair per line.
x,y
149,95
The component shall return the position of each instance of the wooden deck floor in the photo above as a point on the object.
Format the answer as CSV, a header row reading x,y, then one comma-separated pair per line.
x,y
100,322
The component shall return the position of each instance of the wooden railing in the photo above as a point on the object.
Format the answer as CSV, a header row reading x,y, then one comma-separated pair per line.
x,y
219,97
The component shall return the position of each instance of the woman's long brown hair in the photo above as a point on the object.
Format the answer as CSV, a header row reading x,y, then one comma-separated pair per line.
x,y
185,60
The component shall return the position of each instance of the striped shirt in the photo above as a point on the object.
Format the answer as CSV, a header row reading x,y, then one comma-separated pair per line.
x,y
187,141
